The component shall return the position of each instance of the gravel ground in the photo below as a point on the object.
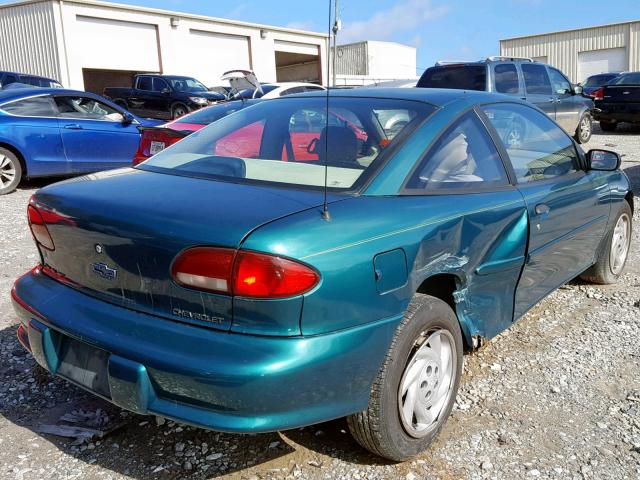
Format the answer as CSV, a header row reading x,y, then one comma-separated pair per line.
x,y
556,396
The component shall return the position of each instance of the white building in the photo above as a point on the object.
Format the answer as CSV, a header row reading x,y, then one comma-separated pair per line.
x,y
87,45
369,62
582,52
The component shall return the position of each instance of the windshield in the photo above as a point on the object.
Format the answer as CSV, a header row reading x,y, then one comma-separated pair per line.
x,y
288,141
599,80
208,115
627,79
461,77
185,84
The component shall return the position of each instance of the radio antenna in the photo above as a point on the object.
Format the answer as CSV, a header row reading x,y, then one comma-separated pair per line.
x,y
325,207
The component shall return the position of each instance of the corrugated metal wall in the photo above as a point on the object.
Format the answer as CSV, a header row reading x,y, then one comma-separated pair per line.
x,y
28,40
562,48
352,59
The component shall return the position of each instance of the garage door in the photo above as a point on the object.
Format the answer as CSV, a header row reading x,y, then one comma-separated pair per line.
x,y
297,62
212,54
601,61
115,45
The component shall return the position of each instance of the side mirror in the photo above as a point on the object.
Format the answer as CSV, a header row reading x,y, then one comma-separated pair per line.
x,y
577,90
603,160
127,118
165,91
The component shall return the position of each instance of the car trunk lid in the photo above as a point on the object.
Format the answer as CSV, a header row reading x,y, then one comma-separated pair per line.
x,y
622,94
117,233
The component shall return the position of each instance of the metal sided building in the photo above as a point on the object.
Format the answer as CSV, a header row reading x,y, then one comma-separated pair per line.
x,y
87,45
582,52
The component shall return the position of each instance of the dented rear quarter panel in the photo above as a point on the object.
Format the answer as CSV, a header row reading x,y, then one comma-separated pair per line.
x,y
480,238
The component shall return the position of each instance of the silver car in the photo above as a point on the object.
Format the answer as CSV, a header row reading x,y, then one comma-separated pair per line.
x,y
546,87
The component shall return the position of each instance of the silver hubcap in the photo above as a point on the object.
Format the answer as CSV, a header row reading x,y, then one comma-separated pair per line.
x,y
7,171
178,112
585,128
427,382
620,244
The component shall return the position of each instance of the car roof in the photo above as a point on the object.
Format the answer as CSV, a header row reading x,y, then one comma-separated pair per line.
x,y
18,93
435,96
27,75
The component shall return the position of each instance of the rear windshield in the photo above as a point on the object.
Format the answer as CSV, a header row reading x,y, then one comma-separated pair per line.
x,y
460,77
289,140
208,115
599,80
627,79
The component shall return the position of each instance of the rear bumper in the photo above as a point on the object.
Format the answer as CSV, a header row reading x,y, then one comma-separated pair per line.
x,y
218,380
618,112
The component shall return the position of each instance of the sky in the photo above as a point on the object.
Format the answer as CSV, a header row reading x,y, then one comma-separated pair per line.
x,y
450,30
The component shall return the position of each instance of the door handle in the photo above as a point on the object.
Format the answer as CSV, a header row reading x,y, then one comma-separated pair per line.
x,y
552,100
542,209
73,126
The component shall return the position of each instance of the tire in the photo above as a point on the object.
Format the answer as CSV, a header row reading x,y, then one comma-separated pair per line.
x,y
608,125
10,171
584,130
614,250
382,428
178,110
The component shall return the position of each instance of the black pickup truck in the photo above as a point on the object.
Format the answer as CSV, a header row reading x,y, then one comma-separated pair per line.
x,y
618,101
163,96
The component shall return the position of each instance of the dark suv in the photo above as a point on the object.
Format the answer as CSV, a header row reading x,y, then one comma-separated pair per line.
x,y
8,78
546,87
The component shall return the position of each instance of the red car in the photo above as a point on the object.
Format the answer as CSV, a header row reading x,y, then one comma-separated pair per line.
x,y
305,131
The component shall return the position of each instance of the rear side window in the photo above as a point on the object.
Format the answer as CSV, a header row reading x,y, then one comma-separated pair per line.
x,y
464,157
627,79
506,78
144,83
461,77
536,79
31,107
537,147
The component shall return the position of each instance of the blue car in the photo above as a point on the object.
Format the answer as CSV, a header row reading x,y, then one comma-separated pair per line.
x,y
242,281
50,131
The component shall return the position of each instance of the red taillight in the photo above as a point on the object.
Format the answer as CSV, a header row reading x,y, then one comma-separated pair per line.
x,y
154,140
242,273
268,276
38,227
598,94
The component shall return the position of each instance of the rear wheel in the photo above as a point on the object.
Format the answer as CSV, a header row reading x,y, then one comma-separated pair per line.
x,y
584,130
179,110
608,125
10,171
414,392
614,251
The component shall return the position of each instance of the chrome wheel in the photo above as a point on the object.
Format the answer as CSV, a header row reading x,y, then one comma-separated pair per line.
x,y
427,382
585,128
7,171
620,244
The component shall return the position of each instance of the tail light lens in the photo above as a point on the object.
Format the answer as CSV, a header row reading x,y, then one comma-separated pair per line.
x,y
204,268
38,227
154,140
598,94
242,273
